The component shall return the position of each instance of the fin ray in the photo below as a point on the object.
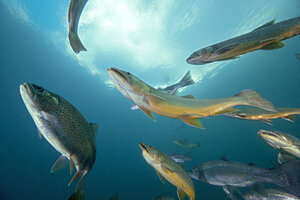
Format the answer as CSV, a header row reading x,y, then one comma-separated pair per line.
x,y
60,163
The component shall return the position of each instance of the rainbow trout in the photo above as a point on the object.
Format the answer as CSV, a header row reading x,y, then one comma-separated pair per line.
x,y
266,37
64,128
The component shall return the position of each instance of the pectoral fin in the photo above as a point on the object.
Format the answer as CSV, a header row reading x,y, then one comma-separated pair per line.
x,y
154,99
189,96
268,121
160,177
148,113
61,163
265,25
290,118
40,134
274,45
180,194
193,122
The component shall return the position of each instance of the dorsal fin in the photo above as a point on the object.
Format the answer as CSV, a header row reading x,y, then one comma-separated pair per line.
x,y
265,25
224,158
94,128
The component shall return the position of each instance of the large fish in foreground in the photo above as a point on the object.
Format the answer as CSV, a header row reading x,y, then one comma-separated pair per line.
x,y
63,127
172,89
74,12
187,108
222,173
266,37
166,168
281,141
251,113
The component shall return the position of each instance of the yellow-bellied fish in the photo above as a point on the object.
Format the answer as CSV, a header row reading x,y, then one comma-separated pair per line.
x,y
251,113
167,168
74,12
187,108
64,128
266,37
281,141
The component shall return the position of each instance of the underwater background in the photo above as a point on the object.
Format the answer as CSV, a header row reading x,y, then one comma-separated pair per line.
x,y
152,40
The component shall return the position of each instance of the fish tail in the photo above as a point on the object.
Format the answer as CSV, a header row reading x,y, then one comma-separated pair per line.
x,y
186,80
75,43
288,176
79,195
252,98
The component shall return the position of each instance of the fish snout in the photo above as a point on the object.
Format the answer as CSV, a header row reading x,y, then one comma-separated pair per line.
x,y
195,58
26,87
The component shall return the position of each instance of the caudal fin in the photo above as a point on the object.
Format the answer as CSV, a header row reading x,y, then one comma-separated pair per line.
x,y
252,98
291,175
78,195
75,43
186,80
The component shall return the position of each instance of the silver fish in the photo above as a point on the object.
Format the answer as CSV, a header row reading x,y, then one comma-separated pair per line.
x,y
63,127
180,158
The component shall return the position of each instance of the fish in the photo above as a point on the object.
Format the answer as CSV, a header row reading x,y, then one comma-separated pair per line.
x,y
163,197
185,144
79,195
64,127
266,37
74,12
224,173
298,56
284,156
181,158
251,113
166,168
271,194
114,197
187,108
172,89
281,141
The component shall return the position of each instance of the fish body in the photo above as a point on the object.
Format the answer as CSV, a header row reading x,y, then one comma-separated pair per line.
x,y
281,141
63,126
251,113
167,168
298,56
114,197
181,158
185,144
187,108
163,197
267,36
74,12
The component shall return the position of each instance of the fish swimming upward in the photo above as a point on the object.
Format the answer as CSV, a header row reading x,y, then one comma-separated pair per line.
x,y
223,173
64,128
172,89
187,108
74,12
251,113
166,168
281,141
266,37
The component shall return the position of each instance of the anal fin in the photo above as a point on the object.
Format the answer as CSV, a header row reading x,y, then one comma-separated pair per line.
x,y
148,113
61,163
71,164
180,194
193,122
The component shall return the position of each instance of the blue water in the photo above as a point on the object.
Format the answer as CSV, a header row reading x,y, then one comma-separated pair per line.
x,y
30,53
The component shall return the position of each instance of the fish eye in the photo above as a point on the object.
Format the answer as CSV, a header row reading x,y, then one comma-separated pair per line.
x,y
128,73
38,88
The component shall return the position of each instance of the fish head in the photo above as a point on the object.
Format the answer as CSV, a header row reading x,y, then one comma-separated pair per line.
x,y
152,155
127,83
39,101
236,114
275,139
201,56
196,174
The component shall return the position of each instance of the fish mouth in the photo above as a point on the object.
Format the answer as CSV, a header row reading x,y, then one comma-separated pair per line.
x,y
26,87
145,147
270,134
273,139
194,59
117,72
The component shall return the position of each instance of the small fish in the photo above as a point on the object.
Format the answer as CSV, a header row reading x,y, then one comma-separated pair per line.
x,y
64,128
74,12
187,108
268,36
181,158
166,168
252,113
271,194
185,144
281,141
223,173
163,197
79,195
114,197
172,89
284,156
298,56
